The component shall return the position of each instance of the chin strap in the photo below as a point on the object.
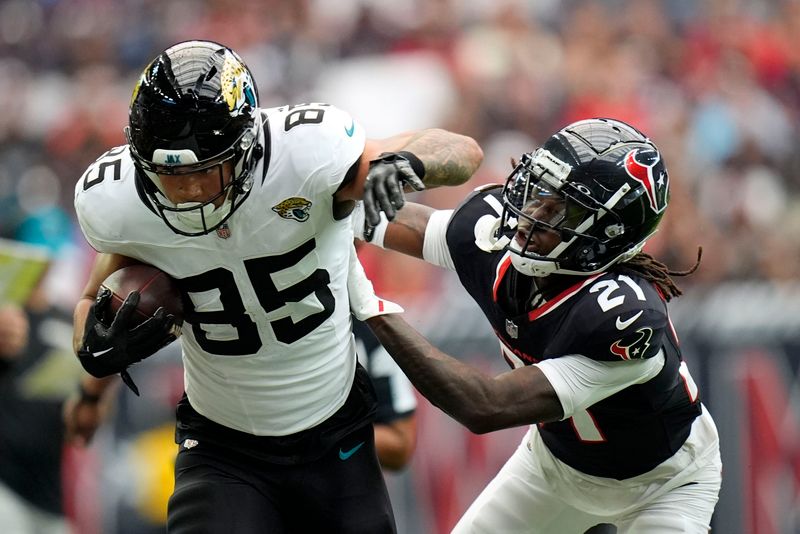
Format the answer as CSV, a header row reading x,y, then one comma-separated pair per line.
x,y
126,378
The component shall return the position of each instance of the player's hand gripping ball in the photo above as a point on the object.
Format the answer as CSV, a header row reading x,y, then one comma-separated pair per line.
x,y
137,312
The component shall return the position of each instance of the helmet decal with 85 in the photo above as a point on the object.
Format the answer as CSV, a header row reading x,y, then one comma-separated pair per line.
x,y
589,198
193,110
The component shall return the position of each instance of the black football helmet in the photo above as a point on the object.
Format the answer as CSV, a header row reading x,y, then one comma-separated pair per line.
x,y
194,108
600,184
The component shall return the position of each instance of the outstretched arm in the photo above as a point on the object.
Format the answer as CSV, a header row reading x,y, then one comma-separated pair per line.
x,y
481,403
408,232
449,158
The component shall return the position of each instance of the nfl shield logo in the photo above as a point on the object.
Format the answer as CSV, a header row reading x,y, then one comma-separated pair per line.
x,y
512,329
224,231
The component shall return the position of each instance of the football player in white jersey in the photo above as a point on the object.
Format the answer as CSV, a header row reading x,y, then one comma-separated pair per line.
x,y
248,210
554,260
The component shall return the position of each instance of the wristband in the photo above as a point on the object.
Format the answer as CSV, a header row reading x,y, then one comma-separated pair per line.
x,y
378,232
85,396
363,232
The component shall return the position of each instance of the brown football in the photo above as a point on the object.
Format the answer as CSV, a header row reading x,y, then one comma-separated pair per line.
x,y
156,289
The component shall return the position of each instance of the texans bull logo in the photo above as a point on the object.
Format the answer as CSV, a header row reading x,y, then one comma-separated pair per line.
x,y
633,346
640,165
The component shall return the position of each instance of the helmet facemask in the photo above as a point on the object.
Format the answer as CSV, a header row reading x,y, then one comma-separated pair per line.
x,y
199,218
540,198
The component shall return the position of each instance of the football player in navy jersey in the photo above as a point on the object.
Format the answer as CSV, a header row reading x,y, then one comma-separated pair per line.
x,y
248,210
554,260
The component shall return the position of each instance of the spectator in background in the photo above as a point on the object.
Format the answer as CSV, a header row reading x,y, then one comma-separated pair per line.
x,y
37,373
14,329
395,420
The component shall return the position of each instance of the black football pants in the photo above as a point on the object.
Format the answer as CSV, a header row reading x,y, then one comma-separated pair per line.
x,y
217,492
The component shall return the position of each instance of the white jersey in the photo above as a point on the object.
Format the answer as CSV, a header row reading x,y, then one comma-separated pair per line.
x,y
267,342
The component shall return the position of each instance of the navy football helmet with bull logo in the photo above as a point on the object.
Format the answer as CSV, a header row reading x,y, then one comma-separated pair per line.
x,y
600,184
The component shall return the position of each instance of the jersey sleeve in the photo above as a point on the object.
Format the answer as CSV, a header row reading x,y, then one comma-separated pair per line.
x,y
100,194
321,142
434,246
483,204
581,382
87,223
469,231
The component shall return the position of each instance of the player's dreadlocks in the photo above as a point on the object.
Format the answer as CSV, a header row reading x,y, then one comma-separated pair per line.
x,y
649,268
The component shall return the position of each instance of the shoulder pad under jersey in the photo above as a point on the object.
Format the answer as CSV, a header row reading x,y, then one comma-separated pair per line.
x,y
473,222
318,141
106,199
617,317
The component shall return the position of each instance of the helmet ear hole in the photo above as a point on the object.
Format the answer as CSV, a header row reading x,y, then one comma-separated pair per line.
x,y
591,254
614,230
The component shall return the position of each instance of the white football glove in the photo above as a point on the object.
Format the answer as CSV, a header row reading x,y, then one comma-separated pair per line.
x,y
363,302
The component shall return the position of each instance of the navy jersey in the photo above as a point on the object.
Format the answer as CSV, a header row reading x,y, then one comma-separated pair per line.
x,y
611,317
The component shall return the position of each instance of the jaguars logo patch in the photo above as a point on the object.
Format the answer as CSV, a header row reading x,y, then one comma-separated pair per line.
x,y
296,208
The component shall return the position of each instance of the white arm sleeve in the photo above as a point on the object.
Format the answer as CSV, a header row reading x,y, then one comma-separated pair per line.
x,y
434,246
581,382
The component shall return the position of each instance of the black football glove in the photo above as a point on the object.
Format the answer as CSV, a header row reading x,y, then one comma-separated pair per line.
x,y
383,190
107,350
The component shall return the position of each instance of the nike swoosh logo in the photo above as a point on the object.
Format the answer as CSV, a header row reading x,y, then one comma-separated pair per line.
x,y
349,131
101,352
622,325
344,455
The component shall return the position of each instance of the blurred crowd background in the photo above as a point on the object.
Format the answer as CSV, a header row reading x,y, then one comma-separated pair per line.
x,y
716,84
